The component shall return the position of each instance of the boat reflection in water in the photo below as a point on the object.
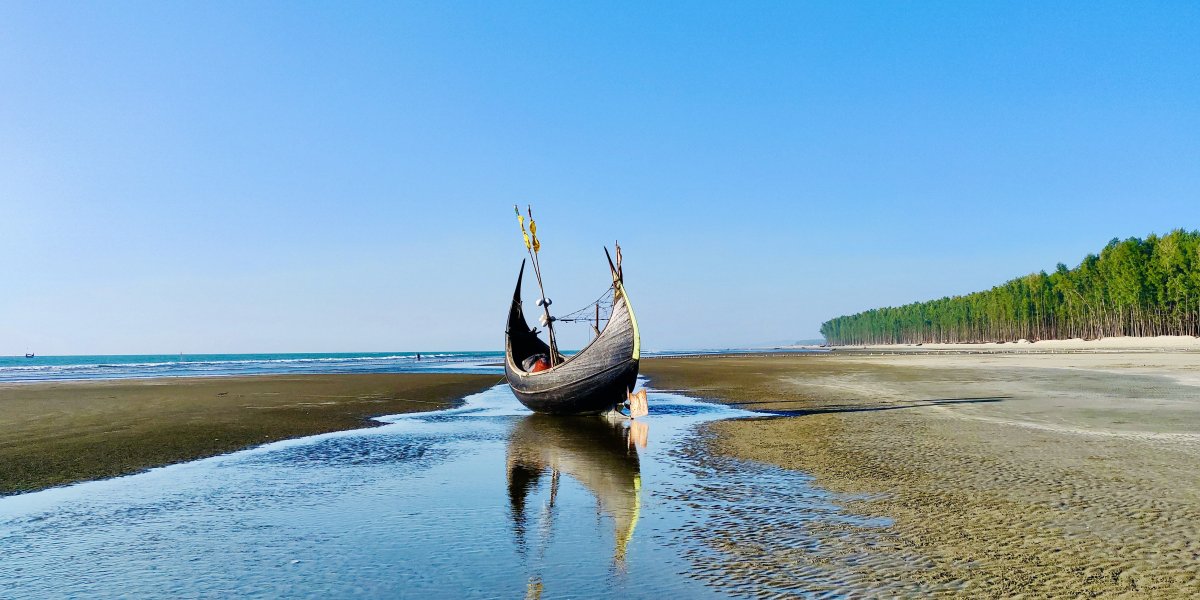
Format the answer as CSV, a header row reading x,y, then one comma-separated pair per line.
x,y
599,453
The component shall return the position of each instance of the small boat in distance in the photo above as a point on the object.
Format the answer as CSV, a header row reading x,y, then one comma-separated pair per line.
x,y
28,355
595,380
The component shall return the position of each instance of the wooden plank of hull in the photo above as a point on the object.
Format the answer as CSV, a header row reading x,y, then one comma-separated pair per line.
x,y
593,381
589,396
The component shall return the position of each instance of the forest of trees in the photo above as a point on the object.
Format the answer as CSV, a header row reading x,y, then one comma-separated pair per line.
x,y
1135,287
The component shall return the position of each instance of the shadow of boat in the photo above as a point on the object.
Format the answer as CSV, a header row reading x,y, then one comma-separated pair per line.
x,y
598,453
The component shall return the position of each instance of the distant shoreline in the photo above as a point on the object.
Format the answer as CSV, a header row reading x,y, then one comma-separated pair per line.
x,y
1163,343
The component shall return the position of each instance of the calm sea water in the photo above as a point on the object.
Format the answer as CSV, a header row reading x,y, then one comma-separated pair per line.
x,y
483,501
124,366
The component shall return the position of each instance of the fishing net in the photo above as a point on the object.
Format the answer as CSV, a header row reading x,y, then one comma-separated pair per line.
x,y
595,313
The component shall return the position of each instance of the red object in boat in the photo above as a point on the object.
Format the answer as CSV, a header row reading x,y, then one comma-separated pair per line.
x,y
540,365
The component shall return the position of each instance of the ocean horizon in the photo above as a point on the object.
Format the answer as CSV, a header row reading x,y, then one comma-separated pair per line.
x,y
16,369
138,366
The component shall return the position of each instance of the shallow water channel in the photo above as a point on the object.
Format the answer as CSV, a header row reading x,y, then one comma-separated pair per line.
x,y
486,500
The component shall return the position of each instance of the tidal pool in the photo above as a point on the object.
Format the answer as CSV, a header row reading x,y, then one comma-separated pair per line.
x,y
484,501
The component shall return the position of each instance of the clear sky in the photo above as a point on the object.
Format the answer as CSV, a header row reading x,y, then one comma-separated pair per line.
x,y
251,176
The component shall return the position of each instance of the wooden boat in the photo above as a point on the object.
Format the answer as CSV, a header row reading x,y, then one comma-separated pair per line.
x,y
593,381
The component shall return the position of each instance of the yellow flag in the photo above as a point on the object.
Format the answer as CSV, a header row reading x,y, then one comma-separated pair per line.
x,y
522,221
537,246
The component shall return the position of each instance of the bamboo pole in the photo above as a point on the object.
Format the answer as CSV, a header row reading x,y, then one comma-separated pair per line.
x,y
537,270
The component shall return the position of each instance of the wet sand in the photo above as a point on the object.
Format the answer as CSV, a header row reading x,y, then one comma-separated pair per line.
x,y
1161,343
57,433
1003,474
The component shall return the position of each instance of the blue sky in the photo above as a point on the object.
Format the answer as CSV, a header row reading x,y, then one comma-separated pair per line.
x,y
226,177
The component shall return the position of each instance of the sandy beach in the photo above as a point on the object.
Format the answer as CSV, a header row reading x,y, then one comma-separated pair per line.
x,y
1162,343
995,474
1004,474
57,433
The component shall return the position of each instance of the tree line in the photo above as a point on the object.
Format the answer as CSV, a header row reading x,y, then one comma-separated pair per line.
x,y
1134,287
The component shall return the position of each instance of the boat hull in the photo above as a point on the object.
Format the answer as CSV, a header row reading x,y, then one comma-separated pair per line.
x,y
600,393
593,381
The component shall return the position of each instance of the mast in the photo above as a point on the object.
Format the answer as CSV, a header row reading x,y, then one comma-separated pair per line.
x,y
549,320
534,248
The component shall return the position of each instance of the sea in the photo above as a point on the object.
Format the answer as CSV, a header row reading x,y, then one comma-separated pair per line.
x,y
131,366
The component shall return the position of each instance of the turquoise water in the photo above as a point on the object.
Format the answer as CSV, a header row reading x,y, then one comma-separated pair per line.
x,y
124,366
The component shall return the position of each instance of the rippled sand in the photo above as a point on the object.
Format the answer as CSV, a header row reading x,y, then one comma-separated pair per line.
x,y
1043,475
61,432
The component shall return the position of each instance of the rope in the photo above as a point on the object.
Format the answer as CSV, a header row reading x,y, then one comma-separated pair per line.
x,y
579,315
